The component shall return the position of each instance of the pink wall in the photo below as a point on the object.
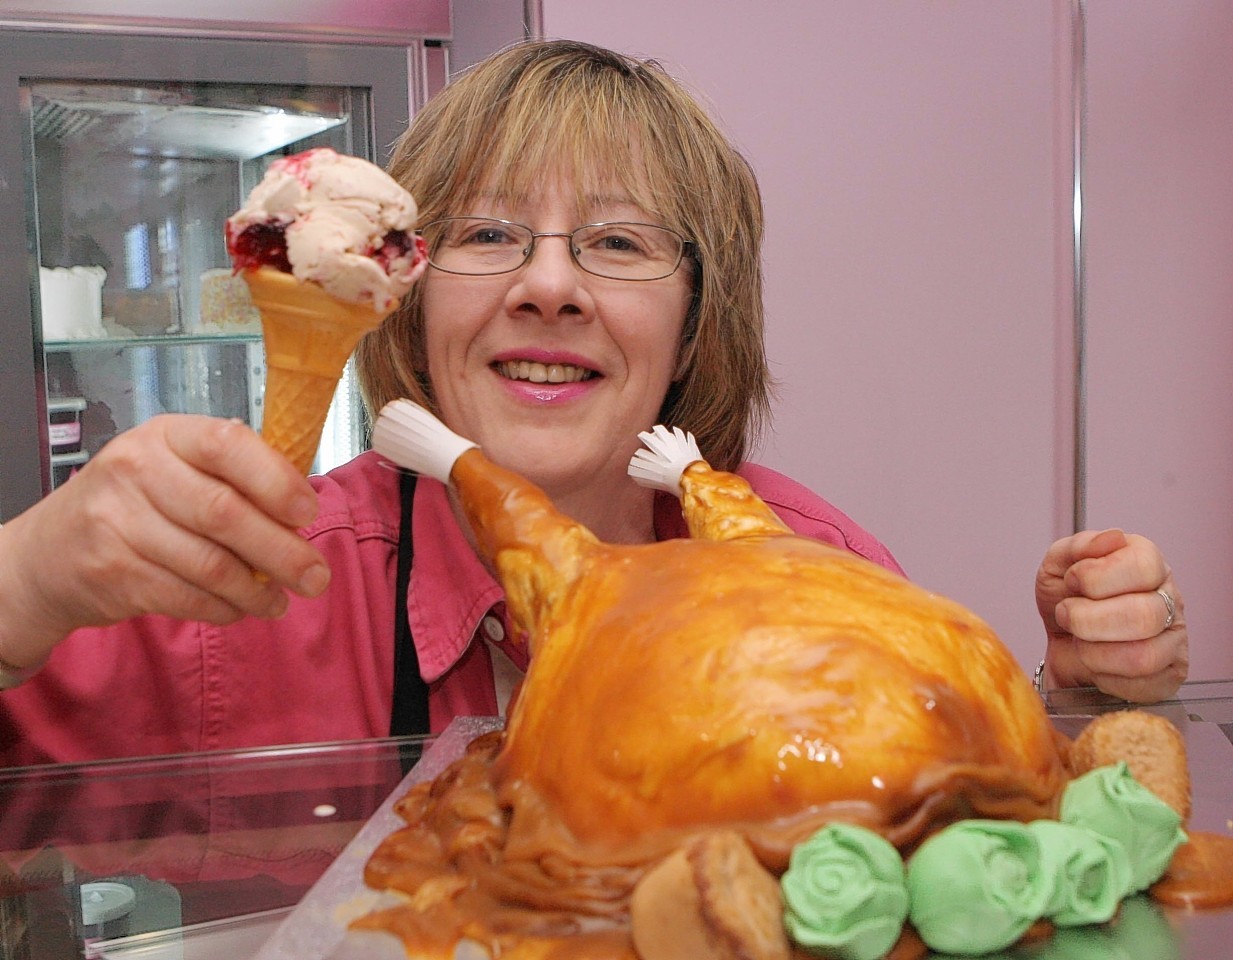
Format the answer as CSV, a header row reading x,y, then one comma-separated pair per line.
x,y
915,163
1160,293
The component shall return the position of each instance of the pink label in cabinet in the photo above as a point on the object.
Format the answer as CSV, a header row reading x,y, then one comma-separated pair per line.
x,y
64,434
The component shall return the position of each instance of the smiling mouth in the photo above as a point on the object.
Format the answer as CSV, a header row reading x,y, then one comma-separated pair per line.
x,y
534,372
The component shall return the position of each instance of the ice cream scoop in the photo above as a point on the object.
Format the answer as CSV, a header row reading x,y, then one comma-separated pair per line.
x,y
326,245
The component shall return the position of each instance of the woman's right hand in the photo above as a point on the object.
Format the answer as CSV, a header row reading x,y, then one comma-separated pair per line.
x,y
189,516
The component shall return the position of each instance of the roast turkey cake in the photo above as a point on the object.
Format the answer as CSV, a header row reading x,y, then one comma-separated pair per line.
x,y
746,744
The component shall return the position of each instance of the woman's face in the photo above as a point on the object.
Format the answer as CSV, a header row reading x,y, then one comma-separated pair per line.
x,y
608,349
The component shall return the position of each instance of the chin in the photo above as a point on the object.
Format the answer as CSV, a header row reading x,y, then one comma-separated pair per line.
x,y
558,479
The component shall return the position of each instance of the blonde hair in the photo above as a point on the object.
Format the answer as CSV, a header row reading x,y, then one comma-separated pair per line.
x,y
602,118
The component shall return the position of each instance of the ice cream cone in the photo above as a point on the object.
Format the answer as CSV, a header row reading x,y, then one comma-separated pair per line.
x,y
308,335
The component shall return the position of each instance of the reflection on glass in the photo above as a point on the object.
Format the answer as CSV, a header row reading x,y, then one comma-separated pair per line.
x,y
162,857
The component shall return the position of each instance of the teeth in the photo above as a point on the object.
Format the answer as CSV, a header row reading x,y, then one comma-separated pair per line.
x,y
544,372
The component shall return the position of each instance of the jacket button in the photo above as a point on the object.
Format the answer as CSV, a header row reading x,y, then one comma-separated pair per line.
x,y
493,628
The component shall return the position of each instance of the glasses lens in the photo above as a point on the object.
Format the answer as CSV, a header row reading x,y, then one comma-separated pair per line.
x,y
627,251
476,246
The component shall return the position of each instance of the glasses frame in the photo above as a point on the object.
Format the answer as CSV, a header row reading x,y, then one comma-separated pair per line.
x,y
687,247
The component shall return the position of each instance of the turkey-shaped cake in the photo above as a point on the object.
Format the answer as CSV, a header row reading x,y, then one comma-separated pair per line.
x,y
710,702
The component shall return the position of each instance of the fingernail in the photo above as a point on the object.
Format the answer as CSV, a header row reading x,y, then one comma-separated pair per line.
x,y
1062,615
314,581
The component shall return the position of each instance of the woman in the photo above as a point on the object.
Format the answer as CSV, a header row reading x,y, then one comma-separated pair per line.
x,y
551,342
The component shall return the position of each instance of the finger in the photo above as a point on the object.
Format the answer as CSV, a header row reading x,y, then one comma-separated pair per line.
x,y
145,562
1125,617
109,581
209,581
1140,670
1151,689
235,454
229,537
1137,566
1068,551
155,588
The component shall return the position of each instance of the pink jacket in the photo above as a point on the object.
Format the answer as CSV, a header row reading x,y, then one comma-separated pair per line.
x,y
323,672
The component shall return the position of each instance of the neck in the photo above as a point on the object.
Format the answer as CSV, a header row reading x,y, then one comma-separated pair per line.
x,y
621,512
617,512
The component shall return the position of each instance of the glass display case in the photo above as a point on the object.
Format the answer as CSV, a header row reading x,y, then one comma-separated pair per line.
x,y
140,312
171,857
123,152
256,853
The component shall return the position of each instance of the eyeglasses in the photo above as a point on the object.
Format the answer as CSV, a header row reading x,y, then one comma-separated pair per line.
x,y
483,246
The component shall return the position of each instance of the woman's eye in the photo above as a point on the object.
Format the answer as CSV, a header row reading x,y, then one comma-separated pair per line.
x,y
616,242
488,235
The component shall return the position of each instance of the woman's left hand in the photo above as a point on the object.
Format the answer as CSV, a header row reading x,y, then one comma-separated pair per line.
x,y
1109,626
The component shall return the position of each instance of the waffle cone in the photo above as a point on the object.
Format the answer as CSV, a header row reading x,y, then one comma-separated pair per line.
x,y
309,335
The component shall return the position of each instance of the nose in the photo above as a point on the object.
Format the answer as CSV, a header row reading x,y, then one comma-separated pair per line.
x,y
568,249
549,280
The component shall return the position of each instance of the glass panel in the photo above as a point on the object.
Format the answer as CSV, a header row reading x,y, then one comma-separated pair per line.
x,y
98,388
140,313
197,855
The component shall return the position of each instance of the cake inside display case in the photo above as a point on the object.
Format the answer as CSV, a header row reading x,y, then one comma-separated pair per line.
x,y
71,300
